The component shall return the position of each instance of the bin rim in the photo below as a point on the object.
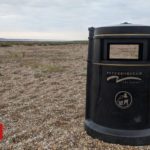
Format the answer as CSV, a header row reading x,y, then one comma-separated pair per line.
x,y
124,29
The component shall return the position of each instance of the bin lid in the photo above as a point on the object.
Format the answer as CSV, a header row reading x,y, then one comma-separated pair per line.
x,y
124,28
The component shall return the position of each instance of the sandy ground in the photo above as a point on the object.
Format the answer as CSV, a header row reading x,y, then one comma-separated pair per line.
x,y
42,99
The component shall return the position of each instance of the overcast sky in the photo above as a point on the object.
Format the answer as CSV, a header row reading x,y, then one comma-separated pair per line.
x,y
67,19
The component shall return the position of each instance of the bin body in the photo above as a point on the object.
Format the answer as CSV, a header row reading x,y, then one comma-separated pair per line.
x,y
118,84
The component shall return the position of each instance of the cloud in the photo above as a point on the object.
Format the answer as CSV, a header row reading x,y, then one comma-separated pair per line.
x,y
68,16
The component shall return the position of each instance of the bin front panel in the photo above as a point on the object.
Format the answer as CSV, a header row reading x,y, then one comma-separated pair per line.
x,y
124,93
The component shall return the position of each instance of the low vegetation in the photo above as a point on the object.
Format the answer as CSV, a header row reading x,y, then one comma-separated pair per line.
x,y
39,43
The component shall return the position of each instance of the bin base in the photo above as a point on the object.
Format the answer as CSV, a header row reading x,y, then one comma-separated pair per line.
x,y
124,137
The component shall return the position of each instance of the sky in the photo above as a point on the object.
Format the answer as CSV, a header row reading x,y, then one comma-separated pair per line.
x,y
67,19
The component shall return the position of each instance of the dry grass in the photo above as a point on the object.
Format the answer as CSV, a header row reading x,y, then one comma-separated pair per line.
x,y
42,93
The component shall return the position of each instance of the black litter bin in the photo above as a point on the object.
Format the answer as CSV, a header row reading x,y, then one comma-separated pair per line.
x,y
118,84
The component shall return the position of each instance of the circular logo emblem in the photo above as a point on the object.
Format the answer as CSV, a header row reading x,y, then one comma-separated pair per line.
x,y
123,99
